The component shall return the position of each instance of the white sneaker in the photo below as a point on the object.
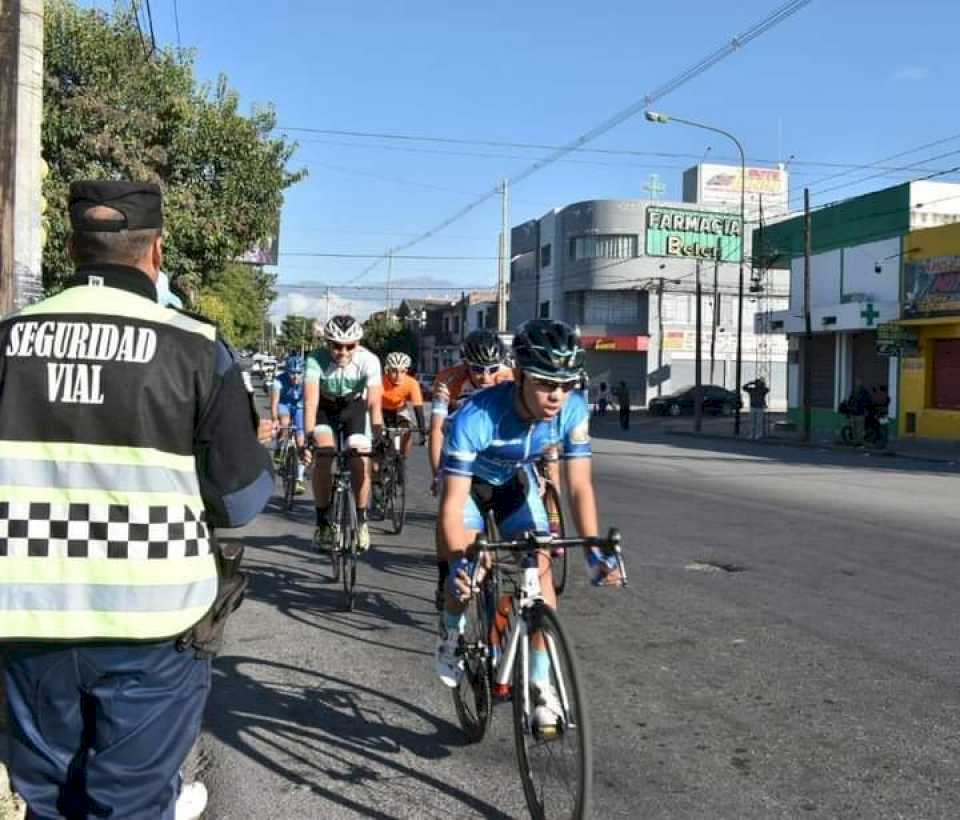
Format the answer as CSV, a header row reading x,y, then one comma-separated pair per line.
x,y
449,664
192,801
548,714
363,537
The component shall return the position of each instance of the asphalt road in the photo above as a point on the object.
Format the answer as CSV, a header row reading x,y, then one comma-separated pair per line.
x,y
788,647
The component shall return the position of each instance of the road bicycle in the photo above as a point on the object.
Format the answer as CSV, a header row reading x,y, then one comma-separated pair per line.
x,y
344,524
391,483
505,620
288,464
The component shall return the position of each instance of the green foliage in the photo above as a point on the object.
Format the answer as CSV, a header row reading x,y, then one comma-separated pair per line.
x,y
237,300
112,112
385,335
296,332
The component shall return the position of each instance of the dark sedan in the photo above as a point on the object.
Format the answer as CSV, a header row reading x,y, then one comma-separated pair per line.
x,y
716,400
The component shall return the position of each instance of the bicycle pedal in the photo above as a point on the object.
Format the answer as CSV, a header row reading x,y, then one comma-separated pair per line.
x,y
502,691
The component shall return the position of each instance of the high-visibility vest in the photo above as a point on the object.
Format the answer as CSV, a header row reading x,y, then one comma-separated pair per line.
x,y
102,526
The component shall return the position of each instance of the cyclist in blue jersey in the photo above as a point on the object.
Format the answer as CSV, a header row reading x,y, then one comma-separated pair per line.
x,y
489,451
286,405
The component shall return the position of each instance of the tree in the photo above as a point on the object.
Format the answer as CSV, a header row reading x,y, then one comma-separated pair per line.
x,y
296,332
384,335
111,110
237,301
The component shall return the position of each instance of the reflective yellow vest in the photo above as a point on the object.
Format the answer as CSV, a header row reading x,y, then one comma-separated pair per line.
x,y
102,526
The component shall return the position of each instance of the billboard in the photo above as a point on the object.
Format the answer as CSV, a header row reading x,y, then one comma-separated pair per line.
x,y
720,185
694,234
931,287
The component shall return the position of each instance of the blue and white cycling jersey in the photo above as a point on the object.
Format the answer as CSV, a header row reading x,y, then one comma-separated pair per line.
x,y
486,439
290,394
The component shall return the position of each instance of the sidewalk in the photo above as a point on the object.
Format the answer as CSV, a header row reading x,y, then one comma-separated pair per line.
x,y
941,452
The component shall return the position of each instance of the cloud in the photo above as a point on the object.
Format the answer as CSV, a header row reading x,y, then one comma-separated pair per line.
x,y
911,73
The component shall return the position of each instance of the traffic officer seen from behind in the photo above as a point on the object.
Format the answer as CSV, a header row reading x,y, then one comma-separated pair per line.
x,y
126,435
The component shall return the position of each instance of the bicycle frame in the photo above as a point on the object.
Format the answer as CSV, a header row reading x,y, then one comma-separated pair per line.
x,y
527,594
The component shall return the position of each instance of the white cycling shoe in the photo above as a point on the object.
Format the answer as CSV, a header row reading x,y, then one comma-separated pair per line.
x,y
191,802
449,665
548,712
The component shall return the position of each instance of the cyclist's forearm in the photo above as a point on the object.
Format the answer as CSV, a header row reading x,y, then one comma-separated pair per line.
x,y
418,413
583,505
274,407
451,528
436,444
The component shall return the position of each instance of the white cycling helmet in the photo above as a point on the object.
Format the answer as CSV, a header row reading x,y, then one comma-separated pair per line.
x,y
343,329
398,361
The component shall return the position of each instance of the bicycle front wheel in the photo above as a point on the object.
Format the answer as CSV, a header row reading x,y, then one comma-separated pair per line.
x,y
398,497
348,545
291,463
554,751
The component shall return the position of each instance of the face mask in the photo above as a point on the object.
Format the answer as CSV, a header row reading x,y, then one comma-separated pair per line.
x,y
165,296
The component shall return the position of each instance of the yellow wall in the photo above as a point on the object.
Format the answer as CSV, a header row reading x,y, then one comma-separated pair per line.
x,y
916,373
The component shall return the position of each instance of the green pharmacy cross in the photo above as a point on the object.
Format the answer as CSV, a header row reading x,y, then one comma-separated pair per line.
x,y
869,314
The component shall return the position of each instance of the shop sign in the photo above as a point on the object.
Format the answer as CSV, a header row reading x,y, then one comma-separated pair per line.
x,y
605,344
633,344
895,340
693,234
932,287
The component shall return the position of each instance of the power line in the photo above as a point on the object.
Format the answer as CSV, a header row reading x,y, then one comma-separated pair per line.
x,y
773,19
420,257
627,152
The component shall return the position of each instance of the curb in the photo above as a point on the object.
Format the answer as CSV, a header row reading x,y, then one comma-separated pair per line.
x,y
821,445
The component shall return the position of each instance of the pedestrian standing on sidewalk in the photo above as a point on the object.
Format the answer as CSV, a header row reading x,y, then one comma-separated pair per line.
x,y
127,435
603,399
757,390
858,405
623,400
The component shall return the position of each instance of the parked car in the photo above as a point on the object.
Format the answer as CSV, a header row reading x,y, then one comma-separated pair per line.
x,y
716,401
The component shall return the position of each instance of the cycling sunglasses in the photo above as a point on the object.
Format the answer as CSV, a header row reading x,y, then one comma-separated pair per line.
x,y
548,386
341,346
484,369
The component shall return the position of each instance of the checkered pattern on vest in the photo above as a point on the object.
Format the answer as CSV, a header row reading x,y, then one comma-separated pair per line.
x,y
59,530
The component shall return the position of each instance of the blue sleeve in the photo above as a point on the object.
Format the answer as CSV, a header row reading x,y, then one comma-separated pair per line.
x,y
575,428
469,433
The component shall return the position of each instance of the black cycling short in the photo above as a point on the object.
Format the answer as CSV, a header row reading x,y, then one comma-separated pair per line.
x,y
349,414
392,418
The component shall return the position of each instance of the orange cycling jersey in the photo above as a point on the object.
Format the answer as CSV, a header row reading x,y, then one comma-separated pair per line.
x,y
457,381
397,394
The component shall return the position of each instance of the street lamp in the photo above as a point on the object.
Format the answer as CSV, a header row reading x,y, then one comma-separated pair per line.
x,y
664,119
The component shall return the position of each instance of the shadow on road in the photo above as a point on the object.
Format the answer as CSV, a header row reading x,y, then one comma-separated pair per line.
x,y
309,727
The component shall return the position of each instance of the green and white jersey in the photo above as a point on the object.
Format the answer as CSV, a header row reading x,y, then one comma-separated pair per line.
x,y
343,382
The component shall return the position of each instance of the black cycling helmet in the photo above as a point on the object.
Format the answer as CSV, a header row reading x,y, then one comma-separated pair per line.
x,y
549,350
482,348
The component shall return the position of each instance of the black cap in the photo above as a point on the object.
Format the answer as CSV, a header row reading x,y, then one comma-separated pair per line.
x,y
140,203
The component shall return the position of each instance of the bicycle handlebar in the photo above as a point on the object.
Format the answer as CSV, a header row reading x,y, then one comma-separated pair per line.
x,y
532,541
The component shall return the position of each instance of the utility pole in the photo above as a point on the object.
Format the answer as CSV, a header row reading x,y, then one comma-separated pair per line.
x,y
660,335
389,275
21,113
326,312
503,260
698,360
716,314
808,330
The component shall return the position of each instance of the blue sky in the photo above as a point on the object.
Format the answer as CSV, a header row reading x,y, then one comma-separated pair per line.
x,y
849,81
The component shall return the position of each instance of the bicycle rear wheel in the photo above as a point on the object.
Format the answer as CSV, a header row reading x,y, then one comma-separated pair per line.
x,y
348,545
473,697
558,562
555,760
398,496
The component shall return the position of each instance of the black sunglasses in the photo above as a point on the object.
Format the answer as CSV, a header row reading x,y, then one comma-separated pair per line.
x,y
339,346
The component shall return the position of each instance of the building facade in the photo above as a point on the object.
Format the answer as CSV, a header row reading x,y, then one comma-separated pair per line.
x,y
624,272
858,248
929,337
